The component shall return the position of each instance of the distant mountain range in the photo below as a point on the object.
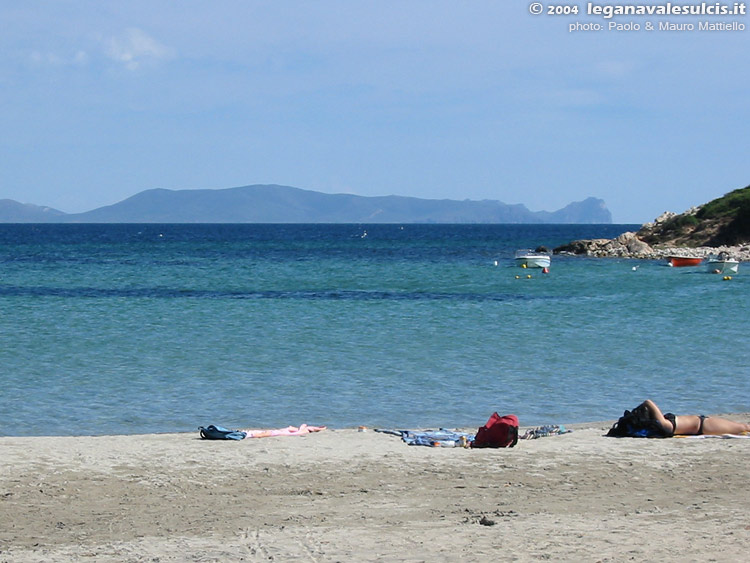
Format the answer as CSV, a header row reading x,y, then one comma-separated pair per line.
x,y
284,204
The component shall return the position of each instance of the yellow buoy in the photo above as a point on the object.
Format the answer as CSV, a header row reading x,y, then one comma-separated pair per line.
x,y
528,276
726,278
523,265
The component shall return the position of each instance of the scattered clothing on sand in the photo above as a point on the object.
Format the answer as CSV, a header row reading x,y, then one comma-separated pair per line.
x,y
288,431
442,437
542,431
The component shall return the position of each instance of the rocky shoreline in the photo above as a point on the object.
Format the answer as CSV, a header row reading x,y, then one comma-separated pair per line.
x,y
686,235
628,245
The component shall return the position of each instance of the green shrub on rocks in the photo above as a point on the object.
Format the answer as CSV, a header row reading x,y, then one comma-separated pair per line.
x,y
731,204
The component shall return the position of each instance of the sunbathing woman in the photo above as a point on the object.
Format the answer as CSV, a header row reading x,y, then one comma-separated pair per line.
x,y
692,424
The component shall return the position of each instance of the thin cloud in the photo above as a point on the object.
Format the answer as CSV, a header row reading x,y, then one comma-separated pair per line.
x,y
79,58
135,47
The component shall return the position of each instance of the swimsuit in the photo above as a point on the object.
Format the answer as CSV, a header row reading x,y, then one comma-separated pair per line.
x,y
700,426
672,418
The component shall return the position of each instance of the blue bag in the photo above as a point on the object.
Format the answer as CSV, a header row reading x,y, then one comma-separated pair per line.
x,y
212,432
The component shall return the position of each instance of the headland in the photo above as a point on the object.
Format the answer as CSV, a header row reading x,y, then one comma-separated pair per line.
x,y
721,225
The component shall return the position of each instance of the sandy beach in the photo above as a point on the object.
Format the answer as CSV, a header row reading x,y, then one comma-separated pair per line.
x,y
344,495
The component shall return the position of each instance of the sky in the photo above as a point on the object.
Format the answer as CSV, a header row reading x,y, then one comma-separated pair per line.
x,y
459,99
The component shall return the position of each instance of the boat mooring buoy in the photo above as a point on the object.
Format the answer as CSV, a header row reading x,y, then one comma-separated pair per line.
x,y
545,270
727,278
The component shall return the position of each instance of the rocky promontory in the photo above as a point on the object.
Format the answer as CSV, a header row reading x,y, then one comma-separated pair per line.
x,y
722,225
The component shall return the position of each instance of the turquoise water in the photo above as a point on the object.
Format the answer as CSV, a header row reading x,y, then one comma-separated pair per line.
x,y
160,328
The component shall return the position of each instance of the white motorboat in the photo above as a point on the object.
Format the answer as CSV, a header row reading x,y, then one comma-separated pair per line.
x,y
722,264
527,258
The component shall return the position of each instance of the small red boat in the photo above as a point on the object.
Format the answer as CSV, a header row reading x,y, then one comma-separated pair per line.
x,y
681,261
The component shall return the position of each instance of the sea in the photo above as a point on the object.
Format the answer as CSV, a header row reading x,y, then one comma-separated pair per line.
x,y
148,328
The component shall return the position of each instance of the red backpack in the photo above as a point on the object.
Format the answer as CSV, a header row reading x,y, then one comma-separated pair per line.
x,y
499,432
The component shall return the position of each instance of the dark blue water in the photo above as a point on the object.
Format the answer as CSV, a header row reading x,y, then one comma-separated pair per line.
x,y
159,328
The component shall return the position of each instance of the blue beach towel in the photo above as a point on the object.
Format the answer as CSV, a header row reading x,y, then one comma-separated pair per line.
x,y
429,437
543,431
212,432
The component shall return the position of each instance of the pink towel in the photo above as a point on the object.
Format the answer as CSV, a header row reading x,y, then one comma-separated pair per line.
x,y
288,431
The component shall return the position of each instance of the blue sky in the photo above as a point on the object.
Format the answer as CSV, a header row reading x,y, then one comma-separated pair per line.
x,y
455,99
